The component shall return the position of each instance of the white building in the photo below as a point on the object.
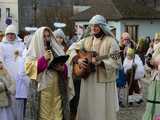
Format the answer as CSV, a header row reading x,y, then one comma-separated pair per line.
x,y
8,10
138,20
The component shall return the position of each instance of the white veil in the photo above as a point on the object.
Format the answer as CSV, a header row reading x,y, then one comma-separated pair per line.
x,y
36,47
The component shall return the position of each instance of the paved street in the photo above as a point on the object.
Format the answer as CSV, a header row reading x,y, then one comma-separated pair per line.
x,y
131,113
136,112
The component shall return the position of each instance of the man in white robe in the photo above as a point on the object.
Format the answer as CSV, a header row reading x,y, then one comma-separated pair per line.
x,y
98,97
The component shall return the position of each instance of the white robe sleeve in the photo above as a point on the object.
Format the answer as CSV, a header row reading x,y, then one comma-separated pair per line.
x,y
140,68
126,65
1,53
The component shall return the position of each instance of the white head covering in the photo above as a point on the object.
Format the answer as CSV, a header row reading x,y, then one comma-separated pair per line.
x,y
101,21
36,47
11,29
98,19
59,33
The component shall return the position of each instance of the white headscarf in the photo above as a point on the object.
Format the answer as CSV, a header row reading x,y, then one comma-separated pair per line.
x,y
59,33
36,48
101,21
11,29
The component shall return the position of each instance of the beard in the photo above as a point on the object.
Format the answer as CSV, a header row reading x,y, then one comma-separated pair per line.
x,y
98,35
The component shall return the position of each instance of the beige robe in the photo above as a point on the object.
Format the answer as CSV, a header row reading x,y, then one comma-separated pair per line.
x,y
98,98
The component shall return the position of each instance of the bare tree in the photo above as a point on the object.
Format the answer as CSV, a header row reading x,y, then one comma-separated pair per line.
x,y
48,15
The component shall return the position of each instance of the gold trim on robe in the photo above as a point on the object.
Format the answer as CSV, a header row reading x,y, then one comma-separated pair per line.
x,y
31,69
50,99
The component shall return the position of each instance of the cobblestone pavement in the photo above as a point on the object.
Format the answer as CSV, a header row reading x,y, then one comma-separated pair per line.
x,y
136,111
132,113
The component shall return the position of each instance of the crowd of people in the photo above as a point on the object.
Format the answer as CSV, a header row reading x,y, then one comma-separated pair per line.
x,y
43,76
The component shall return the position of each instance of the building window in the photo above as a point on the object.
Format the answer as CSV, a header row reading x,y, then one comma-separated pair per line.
x,y
133,31
8,14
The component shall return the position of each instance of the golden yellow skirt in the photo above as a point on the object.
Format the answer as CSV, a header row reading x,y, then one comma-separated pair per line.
x,y
50,100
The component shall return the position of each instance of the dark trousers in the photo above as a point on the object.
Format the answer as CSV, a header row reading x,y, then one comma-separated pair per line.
x,y
133,84
75,100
